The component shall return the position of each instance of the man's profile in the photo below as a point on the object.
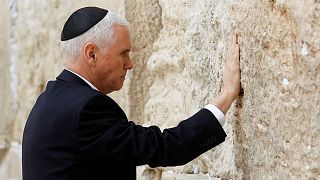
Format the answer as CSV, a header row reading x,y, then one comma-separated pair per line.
x,y
76,131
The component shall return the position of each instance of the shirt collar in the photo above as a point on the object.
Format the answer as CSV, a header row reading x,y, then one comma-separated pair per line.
x,y
91,85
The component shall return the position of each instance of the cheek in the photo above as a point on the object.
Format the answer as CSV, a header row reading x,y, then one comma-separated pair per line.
x,y
111,69
104,74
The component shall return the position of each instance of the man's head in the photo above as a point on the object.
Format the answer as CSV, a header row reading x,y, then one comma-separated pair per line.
x,y
97,49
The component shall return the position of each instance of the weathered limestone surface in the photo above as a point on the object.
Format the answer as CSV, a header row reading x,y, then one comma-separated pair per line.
x,y
5,97
179,49
9,160
277,127
10,164
274,129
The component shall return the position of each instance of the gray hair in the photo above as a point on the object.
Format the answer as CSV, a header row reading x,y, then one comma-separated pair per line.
x,y
101,34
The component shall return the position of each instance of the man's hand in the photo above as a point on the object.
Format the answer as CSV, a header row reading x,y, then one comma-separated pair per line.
x,y
231,77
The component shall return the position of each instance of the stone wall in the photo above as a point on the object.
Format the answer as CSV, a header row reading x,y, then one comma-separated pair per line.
x,y
179,48
5,98
274,128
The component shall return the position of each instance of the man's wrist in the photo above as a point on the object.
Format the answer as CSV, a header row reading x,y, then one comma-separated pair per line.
x,y
223,101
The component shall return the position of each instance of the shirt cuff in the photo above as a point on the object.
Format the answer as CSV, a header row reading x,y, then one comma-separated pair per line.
x,y
216,112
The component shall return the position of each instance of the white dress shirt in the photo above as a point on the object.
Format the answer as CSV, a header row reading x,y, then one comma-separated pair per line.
x,y
212,108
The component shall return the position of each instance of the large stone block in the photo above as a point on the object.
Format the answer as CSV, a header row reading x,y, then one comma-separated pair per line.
x,y
278,123
273,128
6,96
183,70
10,160
145,25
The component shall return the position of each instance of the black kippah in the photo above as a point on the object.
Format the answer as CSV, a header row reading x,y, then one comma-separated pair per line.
x,y
81,21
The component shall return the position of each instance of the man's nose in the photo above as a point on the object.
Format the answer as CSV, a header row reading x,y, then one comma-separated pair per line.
x,y
129,64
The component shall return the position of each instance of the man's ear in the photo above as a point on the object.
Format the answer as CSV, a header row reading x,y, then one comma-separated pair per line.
x,y
89,53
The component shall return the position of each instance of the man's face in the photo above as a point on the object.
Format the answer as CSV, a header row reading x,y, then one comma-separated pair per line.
x,y
112,66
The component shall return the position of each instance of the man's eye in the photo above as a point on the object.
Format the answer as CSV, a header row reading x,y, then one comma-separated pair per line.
x,y
125,54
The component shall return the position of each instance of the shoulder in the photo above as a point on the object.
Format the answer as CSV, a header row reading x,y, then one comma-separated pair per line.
x,y
99,102
78,97
69,91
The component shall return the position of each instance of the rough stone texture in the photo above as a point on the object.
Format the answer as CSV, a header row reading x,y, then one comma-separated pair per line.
x,y
10,164
184,70
277,127
179,48
7,156
274,128
6,96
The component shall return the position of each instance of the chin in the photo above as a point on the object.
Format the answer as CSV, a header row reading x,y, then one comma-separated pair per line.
x,y
118,87
114,87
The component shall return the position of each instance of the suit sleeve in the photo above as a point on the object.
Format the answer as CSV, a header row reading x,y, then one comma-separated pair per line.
x,y
105,136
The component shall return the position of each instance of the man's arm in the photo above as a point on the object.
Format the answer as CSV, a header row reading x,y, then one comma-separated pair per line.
x,y
104,135
231,77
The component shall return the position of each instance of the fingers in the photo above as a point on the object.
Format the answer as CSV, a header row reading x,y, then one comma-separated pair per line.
x,y
237,52
231,38
234,39
234,47
233,42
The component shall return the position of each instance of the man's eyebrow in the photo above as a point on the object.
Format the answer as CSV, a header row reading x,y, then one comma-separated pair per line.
x,y
125,50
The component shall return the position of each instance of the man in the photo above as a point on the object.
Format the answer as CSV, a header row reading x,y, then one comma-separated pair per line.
x,y
75,131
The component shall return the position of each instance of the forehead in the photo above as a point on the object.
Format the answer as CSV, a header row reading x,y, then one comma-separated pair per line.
x,y
122,36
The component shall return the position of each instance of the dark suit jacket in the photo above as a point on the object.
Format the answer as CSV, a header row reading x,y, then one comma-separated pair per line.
x,y
74,132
